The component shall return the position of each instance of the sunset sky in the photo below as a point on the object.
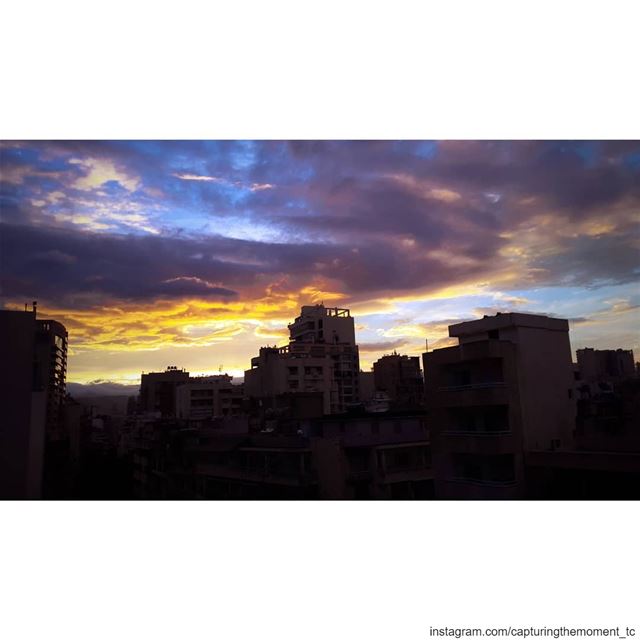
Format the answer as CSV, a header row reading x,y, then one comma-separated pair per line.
x,y
195,254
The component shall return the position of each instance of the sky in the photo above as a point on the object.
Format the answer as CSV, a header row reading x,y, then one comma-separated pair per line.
x,y
196,253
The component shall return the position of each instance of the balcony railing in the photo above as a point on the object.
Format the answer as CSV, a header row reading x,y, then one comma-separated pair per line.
x,y
484,483
475,385
483,432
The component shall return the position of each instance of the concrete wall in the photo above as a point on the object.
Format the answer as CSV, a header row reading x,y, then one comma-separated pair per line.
x,y
23,411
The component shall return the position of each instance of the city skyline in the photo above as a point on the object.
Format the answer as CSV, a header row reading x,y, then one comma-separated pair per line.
x,y
197,253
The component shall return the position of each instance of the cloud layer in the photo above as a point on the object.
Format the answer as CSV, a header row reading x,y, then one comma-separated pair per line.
x,y
242,233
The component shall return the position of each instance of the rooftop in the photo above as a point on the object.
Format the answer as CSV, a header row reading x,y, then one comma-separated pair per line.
x,y
321,310
503,320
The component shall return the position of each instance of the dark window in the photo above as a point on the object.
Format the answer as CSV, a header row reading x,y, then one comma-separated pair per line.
x,y
461,378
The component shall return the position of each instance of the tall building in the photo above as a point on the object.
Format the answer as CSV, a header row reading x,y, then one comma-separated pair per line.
x,y
330,331
400,377
51,372
158,390
323,325
506,389
606,364
34,360
322,356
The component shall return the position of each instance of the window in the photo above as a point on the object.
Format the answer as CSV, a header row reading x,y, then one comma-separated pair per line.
x,y
461,378
484,468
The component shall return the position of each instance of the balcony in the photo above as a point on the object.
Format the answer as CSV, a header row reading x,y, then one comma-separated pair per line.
x,y
253,474
359,475
487,432
475,385
480,394
406,474
478,443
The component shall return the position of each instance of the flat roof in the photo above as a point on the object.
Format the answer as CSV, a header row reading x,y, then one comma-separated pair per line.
x,y
503,320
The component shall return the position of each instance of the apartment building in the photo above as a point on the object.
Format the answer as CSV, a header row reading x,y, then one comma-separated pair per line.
x,y
284,370
373,456
33,385
158,390
321,356
330,331
506,389
50,372
605,364
400,377
207,397
335,457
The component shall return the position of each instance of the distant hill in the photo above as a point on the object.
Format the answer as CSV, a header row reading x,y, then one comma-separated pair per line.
x,y
105,388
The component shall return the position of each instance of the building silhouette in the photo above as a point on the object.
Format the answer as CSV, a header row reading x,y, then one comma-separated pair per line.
x,y
50,370
34,443
277,371
506,414
332,457
597,365
506,389
158,390
400,377
322,356
206,397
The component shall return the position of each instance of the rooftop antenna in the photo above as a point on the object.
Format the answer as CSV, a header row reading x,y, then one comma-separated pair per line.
x,y
35,307
426,344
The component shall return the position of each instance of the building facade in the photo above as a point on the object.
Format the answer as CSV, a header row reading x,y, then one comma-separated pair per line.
x,y
330,331
506,389
400,377
32,436
50,372
338,457
209,397
158,390
605,364
322,356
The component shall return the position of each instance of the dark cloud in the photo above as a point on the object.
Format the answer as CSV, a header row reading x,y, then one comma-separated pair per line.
x,y
372,217
53,262
590,261
60,263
